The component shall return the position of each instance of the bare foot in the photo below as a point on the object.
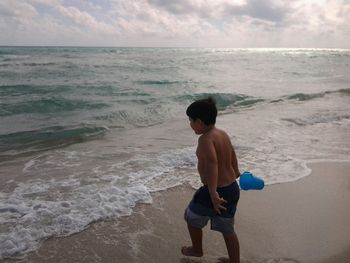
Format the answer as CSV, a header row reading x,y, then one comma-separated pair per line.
x,y
190,252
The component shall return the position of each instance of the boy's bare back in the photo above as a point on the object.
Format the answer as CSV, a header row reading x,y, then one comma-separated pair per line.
x,y
216,157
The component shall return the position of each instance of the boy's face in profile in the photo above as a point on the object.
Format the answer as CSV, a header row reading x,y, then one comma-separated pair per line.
x,y
197,126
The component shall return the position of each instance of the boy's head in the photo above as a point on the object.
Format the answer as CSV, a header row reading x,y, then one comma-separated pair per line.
x,y
204,109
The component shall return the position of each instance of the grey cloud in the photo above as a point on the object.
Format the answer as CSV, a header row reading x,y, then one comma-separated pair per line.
x,y
6,12
174,6
182,7
261,9
267,10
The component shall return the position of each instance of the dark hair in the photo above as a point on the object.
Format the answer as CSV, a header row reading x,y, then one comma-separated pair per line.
x,y
204,109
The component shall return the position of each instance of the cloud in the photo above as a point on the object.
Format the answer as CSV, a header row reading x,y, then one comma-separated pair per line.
x,y
16,10
202,9
261,9
323,21
175,7
227,23
84,19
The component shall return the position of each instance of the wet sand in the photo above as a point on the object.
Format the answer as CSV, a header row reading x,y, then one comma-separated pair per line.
x,y
303,221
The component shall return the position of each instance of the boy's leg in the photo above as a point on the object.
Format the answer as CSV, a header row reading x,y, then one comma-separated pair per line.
x,y
232,245
196,250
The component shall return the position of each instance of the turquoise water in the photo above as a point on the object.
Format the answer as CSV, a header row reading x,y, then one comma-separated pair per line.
x,y
86,133
57,96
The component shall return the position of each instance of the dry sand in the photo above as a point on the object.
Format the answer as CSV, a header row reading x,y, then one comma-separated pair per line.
x,y
305,221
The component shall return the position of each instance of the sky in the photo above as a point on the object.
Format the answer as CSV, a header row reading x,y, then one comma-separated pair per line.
x,y
176,23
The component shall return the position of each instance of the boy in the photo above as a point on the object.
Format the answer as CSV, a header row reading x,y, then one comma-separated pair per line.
x,y
218,169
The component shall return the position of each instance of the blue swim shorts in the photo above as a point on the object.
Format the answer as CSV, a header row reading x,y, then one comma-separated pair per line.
x,y
200,210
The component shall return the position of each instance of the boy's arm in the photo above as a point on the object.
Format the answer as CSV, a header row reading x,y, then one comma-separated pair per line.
x,y
207,159
235,163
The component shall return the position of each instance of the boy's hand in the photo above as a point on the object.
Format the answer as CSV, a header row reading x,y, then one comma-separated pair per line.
x,y
218,203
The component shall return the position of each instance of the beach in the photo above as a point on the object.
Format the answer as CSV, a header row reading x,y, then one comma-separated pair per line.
x,y
302,221
100,155
97,157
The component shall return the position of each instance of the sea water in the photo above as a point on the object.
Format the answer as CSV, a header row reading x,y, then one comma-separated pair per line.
x,y
86,133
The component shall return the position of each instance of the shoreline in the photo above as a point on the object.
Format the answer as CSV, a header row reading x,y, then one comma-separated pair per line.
x,y
301,221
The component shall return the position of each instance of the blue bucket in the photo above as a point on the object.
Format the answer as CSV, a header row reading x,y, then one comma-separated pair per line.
x,y
248,181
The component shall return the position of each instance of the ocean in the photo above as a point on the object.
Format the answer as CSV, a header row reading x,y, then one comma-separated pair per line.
x,y
87,133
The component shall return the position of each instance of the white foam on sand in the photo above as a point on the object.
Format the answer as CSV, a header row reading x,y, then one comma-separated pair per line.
x,y
32,213
41,208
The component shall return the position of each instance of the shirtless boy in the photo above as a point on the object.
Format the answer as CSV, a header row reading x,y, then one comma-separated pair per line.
x,y
217,199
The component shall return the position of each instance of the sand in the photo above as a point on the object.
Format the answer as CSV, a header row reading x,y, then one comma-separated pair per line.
x,y
303,221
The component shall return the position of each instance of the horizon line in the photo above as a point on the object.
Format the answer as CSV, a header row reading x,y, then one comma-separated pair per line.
x,y
82,46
